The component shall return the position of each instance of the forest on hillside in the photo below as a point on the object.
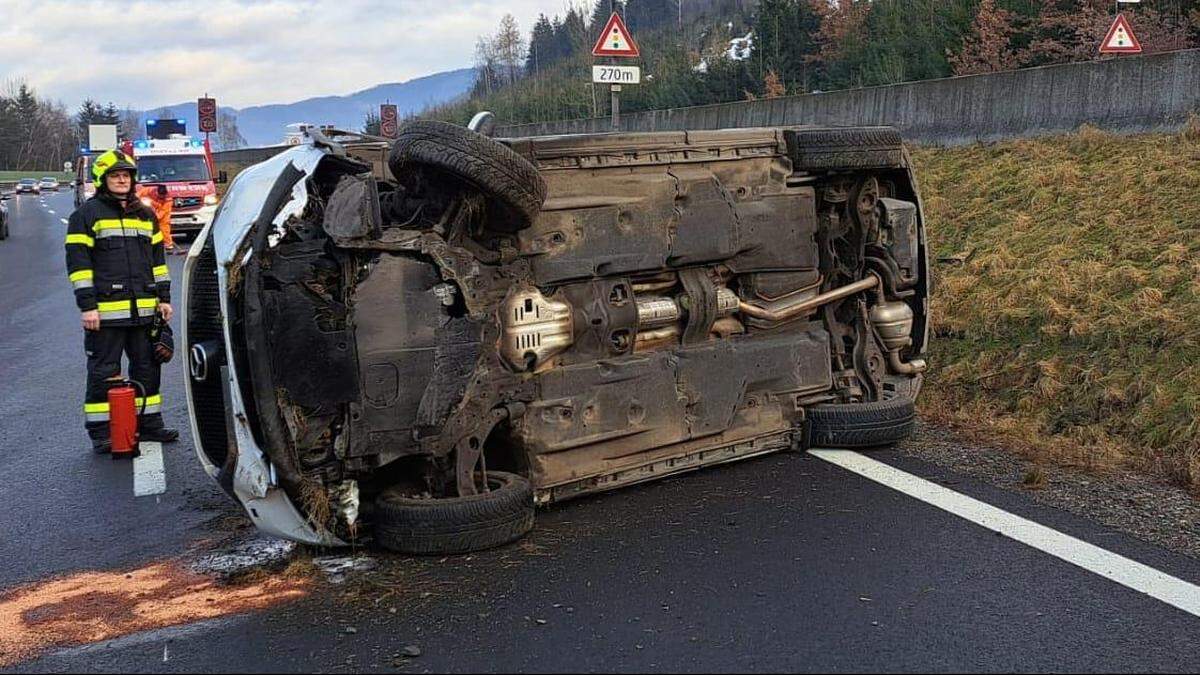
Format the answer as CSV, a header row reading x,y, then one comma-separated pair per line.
x,y
712,51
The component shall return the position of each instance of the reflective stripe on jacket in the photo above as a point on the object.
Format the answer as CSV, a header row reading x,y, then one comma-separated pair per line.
x,y
115,260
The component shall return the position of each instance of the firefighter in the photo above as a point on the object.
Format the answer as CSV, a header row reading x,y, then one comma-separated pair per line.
x,y
155,196
116,262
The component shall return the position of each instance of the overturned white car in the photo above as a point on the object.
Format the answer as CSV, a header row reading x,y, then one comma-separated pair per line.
x,y
423,348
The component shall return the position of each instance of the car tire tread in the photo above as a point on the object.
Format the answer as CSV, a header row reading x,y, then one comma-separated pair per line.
x,y
458,524
483,162
861,425
848,148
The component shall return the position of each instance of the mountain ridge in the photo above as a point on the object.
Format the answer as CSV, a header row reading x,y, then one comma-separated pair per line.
x,y
265,124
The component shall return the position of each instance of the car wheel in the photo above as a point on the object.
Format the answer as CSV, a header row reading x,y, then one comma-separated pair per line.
x,y
829,149
457,524
861,425
492,167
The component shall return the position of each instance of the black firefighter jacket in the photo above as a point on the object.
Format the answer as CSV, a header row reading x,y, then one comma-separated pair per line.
x,y
116,262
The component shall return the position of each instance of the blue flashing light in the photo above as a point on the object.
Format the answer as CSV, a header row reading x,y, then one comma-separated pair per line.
x,y
151,122
196,144
141,145
181,122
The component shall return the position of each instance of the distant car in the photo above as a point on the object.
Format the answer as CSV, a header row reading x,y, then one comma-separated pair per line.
x,y
29,185
3,218
49,183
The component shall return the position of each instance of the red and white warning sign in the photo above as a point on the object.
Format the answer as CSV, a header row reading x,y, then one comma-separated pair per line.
x,y
1120,39
615,40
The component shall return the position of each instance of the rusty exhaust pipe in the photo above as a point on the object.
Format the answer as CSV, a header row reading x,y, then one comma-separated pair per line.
x,y
803,306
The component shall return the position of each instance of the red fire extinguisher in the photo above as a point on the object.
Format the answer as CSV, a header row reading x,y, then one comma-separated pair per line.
x,y
123,418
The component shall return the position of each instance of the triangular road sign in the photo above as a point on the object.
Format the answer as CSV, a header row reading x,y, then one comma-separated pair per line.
x,y
1120,39
615,40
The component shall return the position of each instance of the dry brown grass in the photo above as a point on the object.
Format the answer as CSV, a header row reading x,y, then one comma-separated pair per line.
x,y
1073,328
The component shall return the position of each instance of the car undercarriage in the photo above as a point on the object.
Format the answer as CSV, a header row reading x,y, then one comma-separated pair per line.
x,y
535,319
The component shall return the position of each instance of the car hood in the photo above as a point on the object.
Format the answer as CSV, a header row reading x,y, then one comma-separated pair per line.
x,y
247,196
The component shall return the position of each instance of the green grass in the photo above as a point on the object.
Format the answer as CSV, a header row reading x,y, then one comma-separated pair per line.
x,y
1073,323
13,176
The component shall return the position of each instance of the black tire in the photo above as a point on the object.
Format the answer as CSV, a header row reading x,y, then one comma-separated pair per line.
x,y
848,148
492,167
861,425
458,524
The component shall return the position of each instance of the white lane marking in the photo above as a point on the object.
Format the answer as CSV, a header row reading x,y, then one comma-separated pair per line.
x,y
149,474
1128,573
64,221
52,211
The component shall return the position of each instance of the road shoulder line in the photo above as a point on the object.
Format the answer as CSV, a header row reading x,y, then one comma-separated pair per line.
x,y
1128,573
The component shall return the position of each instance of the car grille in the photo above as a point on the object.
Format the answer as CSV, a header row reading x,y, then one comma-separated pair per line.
x,y
187,202
204,324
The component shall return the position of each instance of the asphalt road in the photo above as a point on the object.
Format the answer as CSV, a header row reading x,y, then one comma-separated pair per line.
x,y
787,563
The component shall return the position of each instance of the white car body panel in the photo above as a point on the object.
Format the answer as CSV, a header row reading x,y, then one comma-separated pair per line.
x,y
254,483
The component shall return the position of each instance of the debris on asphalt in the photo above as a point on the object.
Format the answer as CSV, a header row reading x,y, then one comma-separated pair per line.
x,y
244,557
336,568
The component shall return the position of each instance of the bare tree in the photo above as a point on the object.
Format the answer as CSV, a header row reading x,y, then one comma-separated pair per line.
x,y
229,137
487,75
510,48
130,125
988,48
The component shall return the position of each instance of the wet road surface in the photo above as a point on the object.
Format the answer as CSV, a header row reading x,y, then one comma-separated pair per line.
x,y
783,563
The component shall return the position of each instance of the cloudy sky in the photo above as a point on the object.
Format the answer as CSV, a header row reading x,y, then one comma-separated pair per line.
x,y
147,53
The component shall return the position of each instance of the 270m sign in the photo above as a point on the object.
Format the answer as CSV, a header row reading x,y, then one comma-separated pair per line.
x,y
616,74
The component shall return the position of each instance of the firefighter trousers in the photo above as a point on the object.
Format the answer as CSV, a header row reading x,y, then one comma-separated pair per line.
x,y
104,348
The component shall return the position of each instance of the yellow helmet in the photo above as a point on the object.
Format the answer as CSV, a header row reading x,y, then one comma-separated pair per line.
x,y
111,161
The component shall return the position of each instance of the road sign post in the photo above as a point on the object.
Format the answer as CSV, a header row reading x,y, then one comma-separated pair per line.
x,y
615,41
616,106
206,115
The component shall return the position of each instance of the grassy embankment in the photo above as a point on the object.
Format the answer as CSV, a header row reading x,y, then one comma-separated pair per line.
x,y
1070,326
13,176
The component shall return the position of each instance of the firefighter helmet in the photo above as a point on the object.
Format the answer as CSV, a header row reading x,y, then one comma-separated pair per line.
x,y
111,161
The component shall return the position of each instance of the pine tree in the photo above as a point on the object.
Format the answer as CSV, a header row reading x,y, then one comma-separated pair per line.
x,y
646,15
541,46
90,112
601,13
372,124
574,38
842,35
785,40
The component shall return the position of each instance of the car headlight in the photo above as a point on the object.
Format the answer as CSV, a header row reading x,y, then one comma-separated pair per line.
x,y
209,200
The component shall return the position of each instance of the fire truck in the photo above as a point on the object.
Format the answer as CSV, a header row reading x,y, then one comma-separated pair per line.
x,y
185,166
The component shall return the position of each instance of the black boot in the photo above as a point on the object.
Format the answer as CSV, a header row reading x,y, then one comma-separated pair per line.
x,y
160,435
101,446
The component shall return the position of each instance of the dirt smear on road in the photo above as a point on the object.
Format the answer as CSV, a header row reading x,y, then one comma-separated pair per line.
x,y
95,606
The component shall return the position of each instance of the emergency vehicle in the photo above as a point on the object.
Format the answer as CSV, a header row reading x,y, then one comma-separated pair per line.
x,y
185,166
